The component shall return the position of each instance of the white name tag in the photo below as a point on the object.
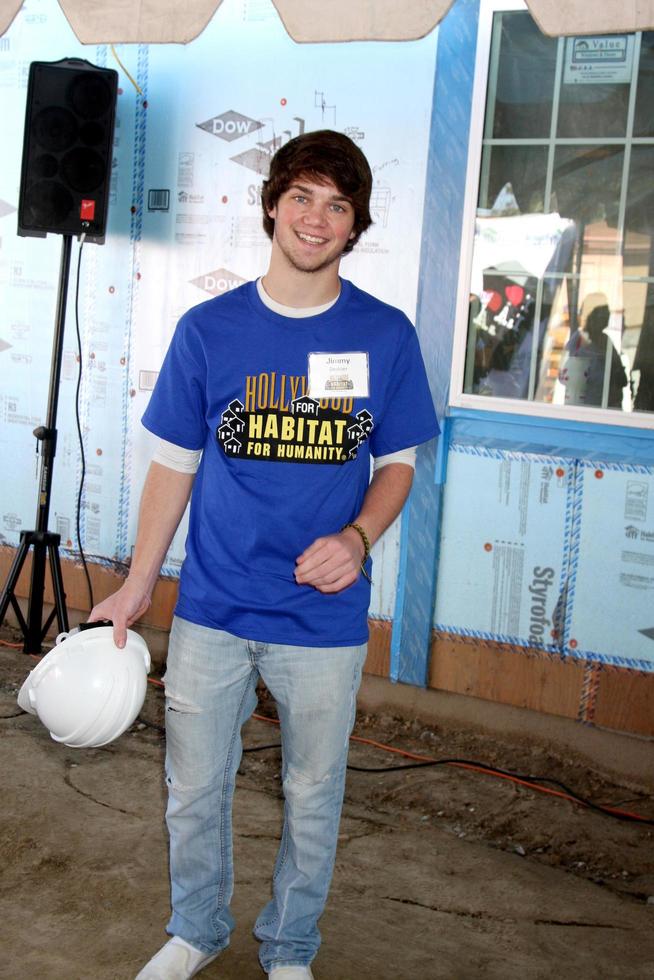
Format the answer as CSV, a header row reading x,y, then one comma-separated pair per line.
x,y
339,375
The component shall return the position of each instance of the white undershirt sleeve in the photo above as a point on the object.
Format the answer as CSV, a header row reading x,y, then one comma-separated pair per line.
x,y
176,457
188,460
407,456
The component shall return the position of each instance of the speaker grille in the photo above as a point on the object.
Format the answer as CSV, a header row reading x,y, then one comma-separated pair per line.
x,y
66,170
55,129
83,169
89,96
47,204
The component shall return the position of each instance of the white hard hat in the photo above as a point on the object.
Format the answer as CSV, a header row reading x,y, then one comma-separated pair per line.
x,y
86,690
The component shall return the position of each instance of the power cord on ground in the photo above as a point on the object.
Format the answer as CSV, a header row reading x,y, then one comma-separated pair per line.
x,y
422,762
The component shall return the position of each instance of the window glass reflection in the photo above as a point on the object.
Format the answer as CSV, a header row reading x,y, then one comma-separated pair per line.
x,y
639,215
561,302
518,174
644,119
592,372
593,110
556,326
639,342
502,320
521,96
513,290
586,188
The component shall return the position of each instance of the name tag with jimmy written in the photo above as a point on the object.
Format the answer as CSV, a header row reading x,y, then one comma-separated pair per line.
x,y
343,373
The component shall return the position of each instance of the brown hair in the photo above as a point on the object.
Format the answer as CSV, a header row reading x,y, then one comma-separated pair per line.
x,y
321,155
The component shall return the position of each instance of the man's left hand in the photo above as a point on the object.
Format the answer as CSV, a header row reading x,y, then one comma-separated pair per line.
x,y
332,563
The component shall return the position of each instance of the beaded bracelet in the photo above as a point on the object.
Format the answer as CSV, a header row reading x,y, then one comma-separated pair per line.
x,y
366,544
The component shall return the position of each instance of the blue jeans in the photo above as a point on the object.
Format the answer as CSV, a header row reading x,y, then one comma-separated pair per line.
x,y
211,679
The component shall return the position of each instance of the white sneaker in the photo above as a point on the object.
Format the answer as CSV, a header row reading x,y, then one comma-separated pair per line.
x,y
291,973
177,960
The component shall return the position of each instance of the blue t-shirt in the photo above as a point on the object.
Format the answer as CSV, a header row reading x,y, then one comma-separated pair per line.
x,y
280,468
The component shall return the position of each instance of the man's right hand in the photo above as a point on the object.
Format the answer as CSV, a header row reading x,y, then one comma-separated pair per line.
x,y
163,501
123,608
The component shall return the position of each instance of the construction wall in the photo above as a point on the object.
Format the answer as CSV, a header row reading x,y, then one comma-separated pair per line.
x,y
556,597
539,581
521,570
192,147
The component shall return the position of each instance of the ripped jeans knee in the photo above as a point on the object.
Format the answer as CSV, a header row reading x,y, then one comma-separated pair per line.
x,y
179,704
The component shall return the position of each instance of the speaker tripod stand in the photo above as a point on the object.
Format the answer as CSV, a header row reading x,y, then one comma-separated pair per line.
x,y
43,542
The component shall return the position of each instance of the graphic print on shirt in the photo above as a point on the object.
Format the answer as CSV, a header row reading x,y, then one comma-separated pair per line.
x,y
278,422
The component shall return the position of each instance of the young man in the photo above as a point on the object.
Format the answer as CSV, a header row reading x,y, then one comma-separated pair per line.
x,y
285,387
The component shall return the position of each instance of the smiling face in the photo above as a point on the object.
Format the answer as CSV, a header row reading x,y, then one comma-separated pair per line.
x,y
313,224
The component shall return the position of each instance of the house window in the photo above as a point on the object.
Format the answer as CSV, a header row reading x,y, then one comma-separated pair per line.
x,y
558,302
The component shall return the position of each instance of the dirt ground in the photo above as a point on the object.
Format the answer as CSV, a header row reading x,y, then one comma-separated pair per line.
x,y
442,872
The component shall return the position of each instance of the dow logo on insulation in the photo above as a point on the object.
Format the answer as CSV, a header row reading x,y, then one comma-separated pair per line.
x,y
218,282
230,125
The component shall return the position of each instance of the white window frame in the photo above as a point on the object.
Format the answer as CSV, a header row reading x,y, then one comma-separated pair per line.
x,y
459,399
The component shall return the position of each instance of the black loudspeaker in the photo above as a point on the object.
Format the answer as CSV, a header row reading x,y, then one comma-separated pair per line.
x,y
67,147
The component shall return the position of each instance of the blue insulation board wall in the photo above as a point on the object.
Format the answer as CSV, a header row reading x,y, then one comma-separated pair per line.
x,y
519,530
439,269
548,538
504,544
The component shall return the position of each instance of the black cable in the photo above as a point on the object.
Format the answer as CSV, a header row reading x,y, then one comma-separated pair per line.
x,y
494,770
79,428
407,765
111,561
260,748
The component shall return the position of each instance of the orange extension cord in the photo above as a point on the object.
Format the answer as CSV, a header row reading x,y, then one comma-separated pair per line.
x,y
428,759
463,765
